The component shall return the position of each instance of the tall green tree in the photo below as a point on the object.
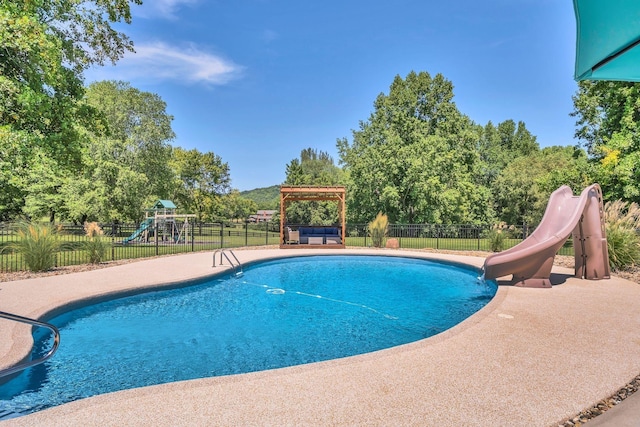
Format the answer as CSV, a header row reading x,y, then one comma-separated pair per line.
x,y
45,46
313,168
499,145
201,179
416,157
139,121
126,165
608,126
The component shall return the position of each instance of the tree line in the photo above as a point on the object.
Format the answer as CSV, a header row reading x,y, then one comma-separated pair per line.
x,y
103,152
418,159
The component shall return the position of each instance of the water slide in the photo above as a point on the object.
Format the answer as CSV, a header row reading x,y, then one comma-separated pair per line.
x,y
145,225
531,260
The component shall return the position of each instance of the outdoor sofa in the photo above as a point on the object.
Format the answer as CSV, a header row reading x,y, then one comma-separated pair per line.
x,y
329,235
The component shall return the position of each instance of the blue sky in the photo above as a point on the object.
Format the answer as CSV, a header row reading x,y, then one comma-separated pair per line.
x,y
257,81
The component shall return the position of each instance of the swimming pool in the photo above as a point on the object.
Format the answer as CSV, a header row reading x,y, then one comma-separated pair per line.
x,y
279,313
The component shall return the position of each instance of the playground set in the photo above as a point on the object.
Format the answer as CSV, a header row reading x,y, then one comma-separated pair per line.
x,y
162,224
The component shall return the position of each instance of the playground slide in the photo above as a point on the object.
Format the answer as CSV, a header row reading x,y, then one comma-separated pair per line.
x,y
531,260
145,225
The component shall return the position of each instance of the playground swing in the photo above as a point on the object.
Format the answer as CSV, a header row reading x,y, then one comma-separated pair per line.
x,y
171,230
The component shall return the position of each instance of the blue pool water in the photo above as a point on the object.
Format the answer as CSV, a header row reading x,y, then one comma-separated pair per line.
x,y
278,313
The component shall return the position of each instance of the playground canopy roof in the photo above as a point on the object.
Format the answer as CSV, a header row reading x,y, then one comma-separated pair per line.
x,y
164,204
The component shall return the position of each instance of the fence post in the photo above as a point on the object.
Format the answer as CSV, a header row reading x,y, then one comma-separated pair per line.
x,y
193,238
365,237
221,235
266,233
246,233
113,241
478,232
156,235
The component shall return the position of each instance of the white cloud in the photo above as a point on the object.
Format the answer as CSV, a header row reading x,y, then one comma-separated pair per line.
x,y
160,61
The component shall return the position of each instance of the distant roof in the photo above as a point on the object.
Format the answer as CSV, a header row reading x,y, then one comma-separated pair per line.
x,y
167,204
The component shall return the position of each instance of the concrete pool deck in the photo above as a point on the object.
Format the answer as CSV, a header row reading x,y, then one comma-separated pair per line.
x,y
531,357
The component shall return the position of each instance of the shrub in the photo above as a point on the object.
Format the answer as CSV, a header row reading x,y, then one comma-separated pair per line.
x,y
623,243
496,240
378,230
498,235
38,244
95,246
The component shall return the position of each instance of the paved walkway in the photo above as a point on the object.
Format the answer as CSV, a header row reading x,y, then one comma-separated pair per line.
x,y
531,357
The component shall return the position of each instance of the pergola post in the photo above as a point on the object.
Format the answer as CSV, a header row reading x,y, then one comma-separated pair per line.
x,y
282,214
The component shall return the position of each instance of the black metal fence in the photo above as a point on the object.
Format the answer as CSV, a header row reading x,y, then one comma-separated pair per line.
x,y
466,237
129,241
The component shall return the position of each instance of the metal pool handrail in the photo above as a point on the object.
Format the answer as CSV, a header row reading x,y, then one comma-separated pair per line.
x,y
24,365
223,252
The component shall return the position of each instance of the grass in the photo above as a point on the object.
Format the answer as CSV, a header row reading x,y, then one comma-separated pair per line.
x,y
622,220
36,243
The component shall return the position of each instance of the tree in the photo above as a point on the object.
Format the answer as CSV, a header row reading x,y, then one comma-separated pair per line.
x,y
237,207
125,164
44,180
202,178
313,168
523,187
415,159
15,155
45,46
608,125
499,145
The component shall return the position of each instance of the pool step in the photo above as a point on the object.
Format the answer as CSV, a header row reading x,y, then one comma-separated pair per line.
x,y
6,414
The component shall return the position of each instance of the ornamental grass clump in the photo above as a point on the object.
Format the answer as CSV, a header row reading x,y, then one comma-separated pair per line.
x,y
94,246
378,230
38,244
498,236
622,220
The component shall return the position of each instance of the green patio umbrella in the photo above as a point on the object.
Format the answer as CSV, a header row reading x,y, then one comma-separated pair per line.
x,y
608,40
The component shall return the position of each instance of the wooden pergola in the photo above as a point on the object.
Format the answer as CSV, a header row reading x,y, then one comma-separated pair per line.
x,y
298,193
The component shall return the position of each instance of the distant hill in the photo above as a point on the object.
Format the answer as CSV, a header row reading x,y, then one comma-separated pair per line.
x,y
265,198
